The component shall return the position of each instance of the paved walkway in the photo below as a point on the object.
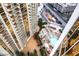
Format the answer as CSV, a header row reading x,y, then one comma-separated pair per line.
x,y
31,45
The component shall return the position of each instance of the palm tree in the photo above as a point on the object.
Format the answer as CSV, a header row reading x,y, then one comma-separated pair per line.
x,y
41,24
36,36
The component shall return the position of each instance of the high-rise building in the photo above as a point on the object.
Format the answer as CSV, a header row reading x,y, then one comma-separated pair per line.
x,y
70,43
32,17
65,9
6,36
23,7
18,21
55,16
5,48
3,52
14,15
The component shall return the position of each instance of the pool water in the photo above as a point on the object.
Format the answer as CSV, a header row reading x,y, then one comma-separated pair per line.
x,y
54,40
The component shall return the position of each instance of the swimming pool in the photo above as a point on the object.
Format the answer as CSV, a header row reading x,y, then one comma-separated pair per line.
x,y
53,39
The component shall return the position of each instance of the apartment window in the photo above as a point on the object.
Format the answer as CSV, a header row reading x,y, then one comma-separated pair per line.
x,y
29,11
15,24
17,9
19,16
9,6
10,12
24,14
28,8
15,4
28,5
4,16
12,16
21,5
24,18
18,13
29,14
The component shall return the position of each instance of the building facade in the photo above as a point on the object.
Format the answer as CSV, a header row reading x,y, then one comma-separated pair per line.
x,y
63,17
70,43
5,48
32,17
18,21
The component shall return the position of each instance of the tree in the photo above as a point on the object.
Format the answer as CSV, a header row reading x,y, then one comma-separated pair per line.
x,y
36,36
41,24
28,53
34,53
43,52
18,53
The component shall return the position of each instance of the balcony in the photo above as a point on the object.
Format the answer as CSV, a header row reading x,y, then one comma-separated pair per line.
x,y
10,12
17,9
1,10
